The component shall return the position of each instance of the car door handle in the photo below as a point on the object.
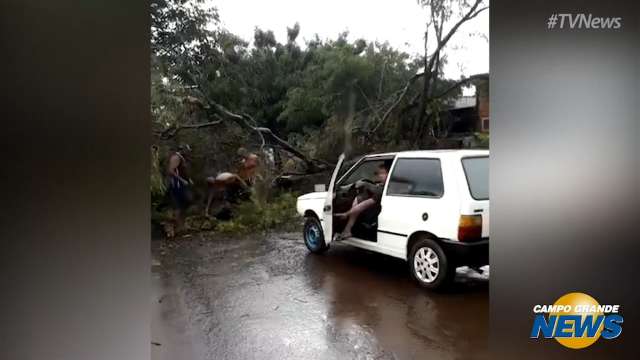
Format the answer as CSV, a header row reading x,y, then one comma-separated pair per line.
x,y
327,208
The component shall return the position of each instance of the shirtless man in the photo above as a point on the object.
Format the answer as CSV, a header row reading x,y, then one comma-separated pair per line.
x,y
228,184
178,182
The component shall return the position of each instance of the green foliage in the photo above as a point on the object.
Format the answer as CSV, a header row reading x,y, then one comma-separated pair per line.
x,y
481,140
158,187
253,216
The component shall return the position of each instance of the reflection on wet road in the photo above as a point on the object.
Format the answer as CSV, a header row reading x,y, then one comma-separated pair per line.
x,y
257,298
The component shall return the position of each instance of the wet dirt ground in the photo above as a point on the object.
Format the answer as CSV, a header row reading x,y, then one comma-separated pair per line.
x,y
266,297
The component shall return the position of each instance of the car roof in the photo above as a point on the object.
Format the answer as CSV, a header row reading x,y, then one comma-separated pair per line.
x,y
434,153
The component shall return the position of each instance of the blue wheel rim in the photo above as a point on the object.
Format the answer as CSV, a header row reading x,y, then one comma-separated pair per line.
x,y
312,235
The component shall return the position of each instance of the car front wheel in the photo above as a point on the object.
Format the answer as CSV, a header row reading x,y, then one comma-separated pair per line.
x,y
314,236
429,264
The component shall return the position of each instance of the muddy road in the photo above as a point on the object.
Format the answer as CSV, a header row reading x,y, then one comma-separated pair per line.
x,y
266,297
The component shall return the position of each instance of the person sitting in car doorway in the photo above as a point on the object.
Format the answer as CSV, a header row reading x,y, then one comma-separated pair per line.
x,y
232,186
369,196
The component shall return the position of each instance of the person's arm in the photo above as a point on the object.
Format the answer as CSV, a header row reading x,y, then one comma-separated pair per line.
x,y
241,181
174,163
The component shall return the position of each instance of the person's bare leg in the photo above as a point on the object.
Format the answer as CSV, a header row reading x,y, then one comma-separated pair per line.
x,y
346,232
216,189
211,185
345,214
209,201
358,208
353,214
179,221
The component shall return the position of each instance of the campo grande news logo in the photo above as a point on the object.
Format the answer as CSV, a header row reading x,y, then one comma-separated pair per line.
x,y
576,321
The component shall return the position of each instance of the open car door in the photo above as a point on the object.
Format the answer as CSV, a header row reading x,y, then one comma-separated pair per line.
x,y
327,210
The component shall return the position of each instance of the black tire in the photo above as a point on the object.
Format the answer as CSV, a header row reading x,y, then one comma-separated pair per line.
x,y
425,275
314,236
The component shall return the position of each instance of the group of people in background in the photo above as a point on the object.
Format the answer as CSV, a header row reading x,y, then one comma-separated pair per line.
x,y
227,187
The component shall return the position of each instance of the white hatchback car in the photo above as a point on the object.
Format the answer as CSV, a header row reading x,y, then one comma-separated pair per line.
x,y
434,211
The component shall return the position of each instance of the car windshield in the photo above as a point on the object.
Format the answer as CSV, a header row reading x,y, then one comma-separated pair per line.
x,y
365,170
477,171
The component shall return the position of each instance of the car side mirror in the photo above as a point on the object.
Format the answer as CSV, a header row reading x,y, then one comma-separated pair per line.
x,y
319,187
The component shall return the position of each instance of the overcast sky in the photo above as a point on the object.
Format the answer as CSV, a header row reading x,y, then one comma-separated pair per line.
x,y
400,22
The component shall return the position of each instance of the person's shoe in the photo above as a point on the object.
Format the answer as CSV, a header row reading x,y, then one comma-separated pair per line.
x,y
341,236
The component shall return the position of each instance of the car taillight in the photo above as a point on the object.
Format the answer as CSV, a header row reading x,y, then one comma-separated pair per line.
x,y
470,227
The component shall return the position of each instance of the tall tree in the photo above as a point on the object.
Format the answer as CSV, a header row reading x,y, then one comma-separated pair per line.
x,y
197,58
443,20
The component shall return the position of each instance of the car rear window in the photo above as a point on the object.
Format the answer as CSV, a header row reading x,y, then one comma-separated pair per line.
x,y
477,171
418,177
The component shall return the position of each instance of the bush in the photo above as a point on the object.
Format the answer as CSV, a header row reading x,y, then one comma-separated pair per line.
x,y
158,188
254,216
481,140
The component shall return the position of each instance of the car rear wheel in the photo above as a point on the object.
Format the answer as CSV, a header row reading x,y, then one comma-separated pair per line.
x,y
314,236
429,264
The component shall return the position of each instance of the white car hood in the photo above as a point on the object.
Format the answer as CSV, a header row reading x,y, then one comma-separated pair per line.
x,y
313,195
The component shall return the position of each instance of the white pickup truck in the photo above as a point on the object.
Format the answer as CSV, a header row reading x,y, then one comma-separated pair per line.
x,y
434,211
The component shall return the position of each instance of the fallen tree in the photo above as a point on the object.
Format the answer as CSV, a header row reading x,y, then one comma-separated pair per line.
x,y
247,122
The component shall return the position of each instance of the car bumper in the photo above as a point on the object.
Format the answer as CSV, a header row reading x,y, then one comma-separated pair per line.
x,y
467,253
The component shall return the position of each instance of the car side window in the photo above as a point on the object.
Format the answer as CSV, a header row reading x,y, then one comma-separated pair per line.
x,y
366,170
477,171
417,177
